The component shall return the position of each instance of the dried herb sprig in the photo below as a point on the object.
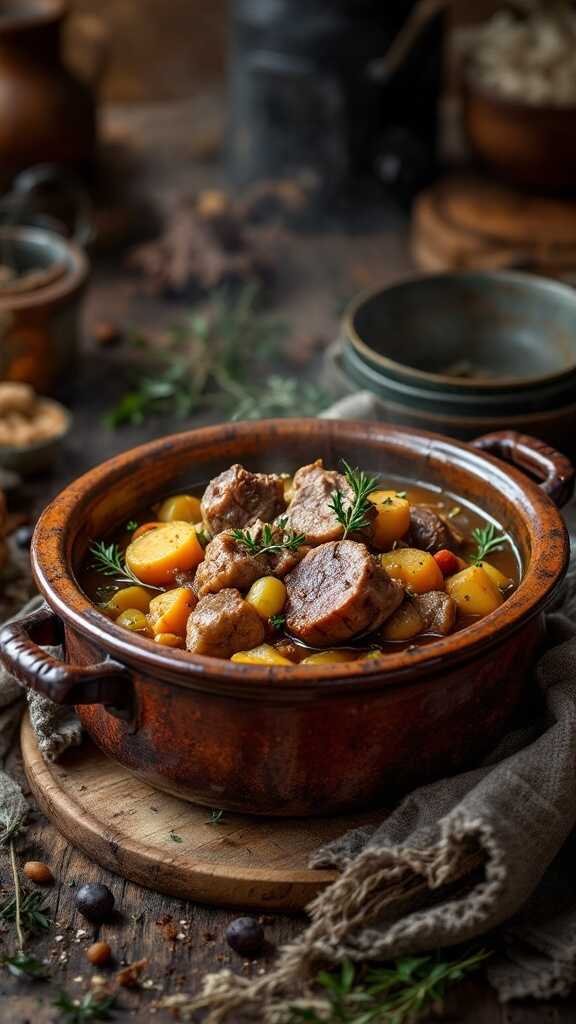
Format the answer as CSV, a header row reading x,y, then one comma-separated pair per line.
x,y
354,516
399,993
23,966
487,540
26,910
271,540
216,816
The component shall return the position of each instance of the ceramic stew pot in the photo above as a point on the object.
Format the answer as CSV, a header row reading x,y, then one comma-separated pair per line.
x,y
294,741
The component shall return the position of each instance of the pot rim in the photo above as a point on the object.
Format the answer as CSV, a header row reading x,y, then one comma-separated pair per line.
x,y
72,278
457,384
55,578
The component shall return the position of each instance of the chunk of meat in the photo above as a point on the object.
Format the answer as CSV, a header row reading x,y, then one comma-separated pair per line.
x,y
429,532
222,624
228,563
237,498
437,610
337,592
309,511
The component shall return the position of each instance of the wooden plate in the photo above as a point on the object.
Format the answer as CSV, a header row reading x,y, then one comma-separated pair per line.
x,y
170,845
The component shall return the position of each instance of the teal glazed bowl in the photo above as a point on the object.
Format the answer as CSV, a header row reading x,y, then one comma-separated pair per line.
x,y
467,352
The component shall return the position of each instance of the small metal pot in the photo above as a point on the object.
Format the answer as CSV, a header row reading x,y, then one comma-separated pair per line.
x,y
301,740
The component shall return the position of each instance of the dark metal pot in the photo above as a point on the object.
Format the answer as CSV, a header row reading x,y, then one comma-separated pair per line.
x,y
303,740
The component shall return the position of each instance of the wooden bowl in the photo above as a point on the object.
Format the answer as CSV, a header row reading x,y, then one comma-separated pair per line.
x,y
525,145
303,740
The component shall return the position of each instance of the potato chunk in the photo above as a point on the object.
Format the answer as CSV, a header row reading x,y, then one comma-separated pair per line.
x,y
404,624
169,612
414,568
267,595
155,556
264,654
474,592
183,508
128,597
393,519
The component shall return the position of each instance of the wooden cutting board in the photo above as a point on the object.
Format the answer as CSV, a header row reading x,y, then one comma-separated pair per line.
x,y
467,221
169,845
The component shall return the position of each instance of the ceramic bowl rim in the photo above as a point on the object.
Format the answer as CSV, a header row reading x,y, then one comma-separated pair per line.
x,y
404,371
55,577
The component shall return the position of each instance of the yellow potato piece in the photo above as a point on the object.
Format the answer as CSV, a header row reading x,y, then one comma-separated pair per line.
x,y
328,658
404,624
169,640
393,519
128,597
414,568
264,654
267,596
155,556
184,508
497,577
133,619
474,592
169,612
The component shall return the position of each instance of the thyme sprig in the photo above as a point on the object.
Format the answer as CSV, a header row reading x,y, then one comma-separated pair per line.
x,y
354,516
401,992
271,540
277,621
487,539
109,560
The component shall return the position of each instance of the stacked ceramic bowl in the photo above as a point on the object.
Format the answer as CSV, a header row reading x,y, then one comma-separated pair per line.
x,y
465,353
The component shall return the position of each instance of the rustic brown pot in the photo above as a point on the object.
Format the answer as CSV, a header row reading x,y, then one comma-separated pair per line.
x,y
46,113
524,145
302,740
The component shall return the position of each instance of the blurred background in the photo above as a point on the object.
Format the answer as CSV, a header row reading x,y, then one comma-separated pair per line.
x,y
257,207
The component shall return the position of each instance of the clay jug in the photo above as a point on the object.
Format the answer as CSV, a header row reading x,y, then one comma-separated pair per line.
x,y
46,113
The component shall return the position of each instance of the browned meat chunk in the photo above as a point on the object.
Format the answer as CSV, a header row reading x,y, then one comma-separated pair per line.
x,y
228,563
237,498
438,612
337,592
309,511
222,624
429,532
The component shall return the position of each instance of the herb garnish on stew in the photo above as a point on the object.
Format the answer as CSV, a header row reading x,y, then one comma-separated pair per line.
x,y
354,517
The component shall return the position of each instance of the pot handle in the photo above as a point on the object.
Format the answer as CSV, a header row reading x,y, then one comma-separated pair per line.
x,y
554,471
20,651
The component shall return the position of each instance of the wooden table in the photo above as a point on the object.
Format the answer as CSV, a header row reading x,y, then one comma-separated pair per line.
x,y
182,941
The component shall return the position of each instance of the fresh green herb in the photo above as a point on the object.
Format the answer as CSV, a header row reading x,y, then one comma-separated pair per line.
x,y
219,359
216,815
109,560
175,838
487,540
399,993
277,621
28,909
23,966
271,540
90,1007
354,517
131,525
454,511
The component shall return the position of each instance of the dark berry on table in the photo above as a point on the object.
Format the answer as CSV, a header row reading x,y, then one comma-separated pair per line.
x,y
23,536
95,901
246,936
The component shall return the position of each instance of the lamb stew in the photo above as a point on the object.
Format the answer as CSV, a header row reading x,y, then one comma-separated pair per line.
x,y
324,566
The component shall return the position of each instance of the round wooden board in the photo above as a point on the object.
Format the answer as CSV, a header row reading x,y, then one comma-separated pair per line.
x,y
126,826
468,221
